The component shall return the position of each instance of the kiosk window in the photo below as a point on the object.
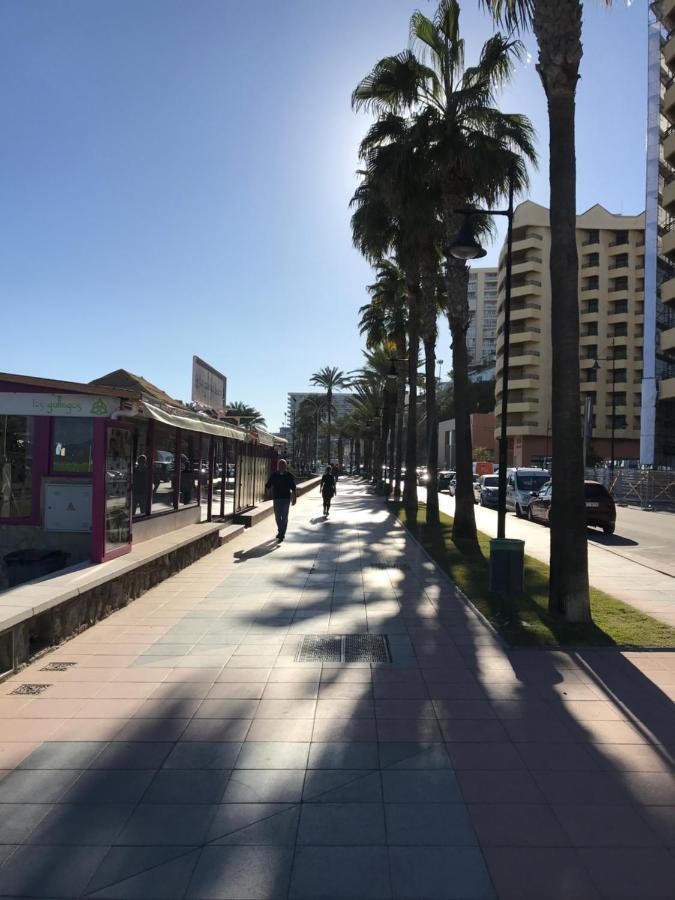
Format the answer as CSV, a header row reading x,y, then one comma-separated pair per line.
x,y
16,458
72,446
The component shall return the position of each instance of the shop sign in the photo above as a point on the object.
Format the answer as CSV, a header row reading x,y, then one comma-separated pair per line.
x,y
85,405
209,386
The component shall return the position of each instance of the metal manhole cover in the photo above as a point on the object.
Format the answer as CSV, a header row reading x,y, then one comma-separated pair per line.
x,y
345,648
30,688
58,666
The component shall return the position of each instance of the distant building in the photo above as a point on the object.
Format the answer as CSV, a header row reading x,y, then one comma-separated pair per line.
x,y
611,305
481,336
482,435
341,407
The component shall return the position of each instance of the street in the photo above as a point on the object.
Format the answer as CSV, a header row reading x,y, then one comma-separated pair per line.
x,y
636,564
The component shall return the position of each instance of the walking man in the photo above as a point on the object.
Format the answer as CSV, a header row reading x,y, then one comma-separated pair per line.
x,y
281,485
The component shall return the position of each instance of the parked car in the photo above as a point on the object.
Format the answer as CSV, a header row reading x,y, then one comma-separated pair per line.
x,y
444,479
521,485
453,484
486,490
600,506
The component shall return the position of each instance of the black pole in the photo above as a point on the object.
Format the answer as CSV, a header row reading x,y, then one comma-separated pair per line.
x,y
611,447
503,438
295,456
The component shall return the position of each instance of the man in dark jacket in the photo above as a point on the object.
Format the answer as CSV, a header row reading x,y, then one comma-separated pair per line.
x,y
281,485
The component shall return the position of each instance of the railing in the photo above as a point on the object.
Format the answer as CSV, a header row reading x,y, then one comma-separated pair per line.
x,y
646,488
619,265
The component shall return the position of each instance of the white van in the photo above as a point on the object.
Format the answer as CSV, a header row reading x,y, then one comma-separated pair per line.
x,y
521,485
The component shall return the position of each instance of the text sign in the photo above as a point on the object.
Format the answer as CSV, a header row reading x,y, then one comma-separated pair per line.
x,y
209,386
86,405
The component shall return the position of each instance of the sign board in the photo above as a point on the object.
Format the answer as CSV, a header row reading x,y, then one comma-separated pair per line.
x,y
67,507
87,405
209,386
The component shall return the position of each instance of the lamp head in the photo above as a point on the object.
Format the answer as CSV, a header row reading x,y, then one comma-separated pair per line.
x,y
465,245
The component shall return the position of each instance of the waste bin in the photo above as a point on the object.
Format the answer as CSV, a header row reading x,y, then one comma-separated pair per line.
x,y
507,556
26,565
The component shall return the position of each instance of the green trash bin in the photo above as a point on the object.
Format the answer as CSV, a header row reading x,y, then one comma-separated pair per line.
x,y
507,559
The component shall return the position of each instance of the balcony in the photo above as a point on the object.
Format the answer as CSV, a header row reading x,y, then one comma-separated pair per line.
x,y
668,242
668,339
668,291
531,241
588,339
668,196
669,146
667,389
516,384
533,311
668,50
526,289
588,317
669,102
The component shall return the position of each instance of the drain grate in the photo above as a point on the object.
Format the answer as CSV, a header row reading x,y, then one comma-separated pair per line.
x,y
30,688
58,666
345,648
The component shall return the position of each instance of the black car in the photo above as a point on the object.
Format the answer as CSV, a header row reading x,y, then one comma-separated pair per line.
x,y
444,480
600,506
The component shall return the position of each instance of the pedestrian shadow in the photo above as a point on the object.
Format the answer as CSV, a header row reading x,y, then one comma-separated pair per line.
x,y
256,552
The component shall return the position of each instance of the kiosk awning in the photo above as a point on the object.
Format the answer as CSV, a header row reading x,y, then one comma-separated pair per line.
x,y
195,423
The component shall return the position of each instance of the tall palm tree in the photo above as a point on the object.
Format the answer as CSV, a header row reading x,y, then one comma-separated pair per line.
x,y
473,149
244,414
557,27
329,378
314,405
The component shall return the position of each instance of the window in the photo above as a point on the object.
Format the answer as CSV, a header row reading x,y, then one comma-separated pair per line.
x,y
592,237
619,284
72,446
592,260
16,458
163,468
621,261
620,237
619,352
591,329
591,284
188,491
589,375
620,398
620,329
592,305
141,470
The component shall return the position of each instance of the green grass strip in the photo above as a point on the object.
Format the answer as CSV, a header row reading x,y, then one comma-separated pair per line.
x,y
524,620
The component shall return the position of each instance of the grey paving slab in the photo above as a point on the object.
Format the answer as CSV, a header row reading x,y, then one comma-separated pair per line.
x,y
203,755
340,873
137,873
342,786
420,786
187,786
274,824
439,873
233,873
131,755
342,824
17,821
167,824
75,825
63,755
49,873
264,786
429,824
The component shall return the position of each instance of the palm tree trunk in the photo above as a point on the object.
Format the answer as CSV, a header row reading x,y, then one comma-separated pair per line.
x,y
400,409
568,589
410,483
457,281
432,517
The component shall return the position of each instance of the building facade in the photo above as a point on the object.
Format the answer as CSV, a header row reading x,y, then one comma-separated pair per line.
x,y
657,439
611,304
482,437
481,336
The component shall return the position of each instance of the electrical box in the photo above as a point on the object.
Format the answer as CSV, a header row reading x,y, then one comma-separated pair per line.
x,y
67,507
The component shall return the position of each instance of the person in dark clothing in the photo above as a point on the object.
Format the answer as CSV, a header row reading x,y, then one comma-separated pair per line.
x,y
327,488
281,485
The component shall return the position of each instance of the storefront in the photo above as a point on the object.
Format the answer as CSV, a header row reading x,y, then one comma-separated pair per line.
x,y
88,469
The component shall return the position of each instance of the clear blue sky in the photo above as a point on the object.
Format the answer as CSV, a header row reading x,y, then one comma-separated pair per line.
x,y
174,178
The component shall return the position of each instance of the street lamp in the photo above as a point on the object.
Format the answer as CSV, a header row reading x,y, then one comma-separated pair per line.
x,y
466,247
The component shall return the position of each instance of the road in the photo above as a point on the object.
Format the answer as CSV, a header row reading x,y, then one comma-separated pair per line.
x,y
636,564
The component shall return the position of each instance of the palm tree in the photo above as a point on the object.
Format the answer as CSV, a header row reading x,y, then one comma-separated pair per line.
x,y
242,413
329,378
314,405
557,27
384,321
473,149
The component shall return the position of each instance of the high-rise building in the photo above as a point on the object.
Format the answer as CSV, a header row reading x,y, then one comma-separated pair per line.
x,y
657,438
341,407
481,335
611,300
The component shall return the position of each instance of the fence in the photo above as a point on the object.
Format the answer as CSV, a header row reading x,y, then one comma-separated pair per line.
x,y
646,488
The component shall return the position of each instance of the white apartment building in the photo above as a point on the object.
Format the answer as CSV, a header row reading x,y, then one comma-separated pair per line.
x,y
481,337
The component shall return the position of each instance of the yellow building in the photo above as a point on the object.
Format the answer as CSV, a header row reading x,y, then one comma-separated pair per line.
x,y
611,301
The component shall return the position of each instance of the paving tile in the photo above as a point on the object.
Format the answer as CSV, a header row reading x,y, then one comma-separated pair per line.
x,y
439,873
399,730
428,824
342,786
341,824
178,824
264,786
422,786
28,785
203,755
412,755
227,708
344,754
131,755
108,786
216,730
605,826
144,873
273,755
75,825
191,786
340,873
231,873
517,825
647,873
558,757
280,730
581,787
138,729
17,820
344,730
473,730
273,824
534,873
51,872
661,819
63,755
491,756
495,787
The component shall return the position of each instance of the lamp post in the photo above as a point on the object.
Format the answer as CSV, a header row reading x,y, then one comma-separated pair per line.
x,y
466,247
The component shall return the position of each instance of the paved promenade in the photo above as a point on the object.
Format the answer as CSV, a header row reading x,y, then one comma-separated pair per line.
x,y
181,751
